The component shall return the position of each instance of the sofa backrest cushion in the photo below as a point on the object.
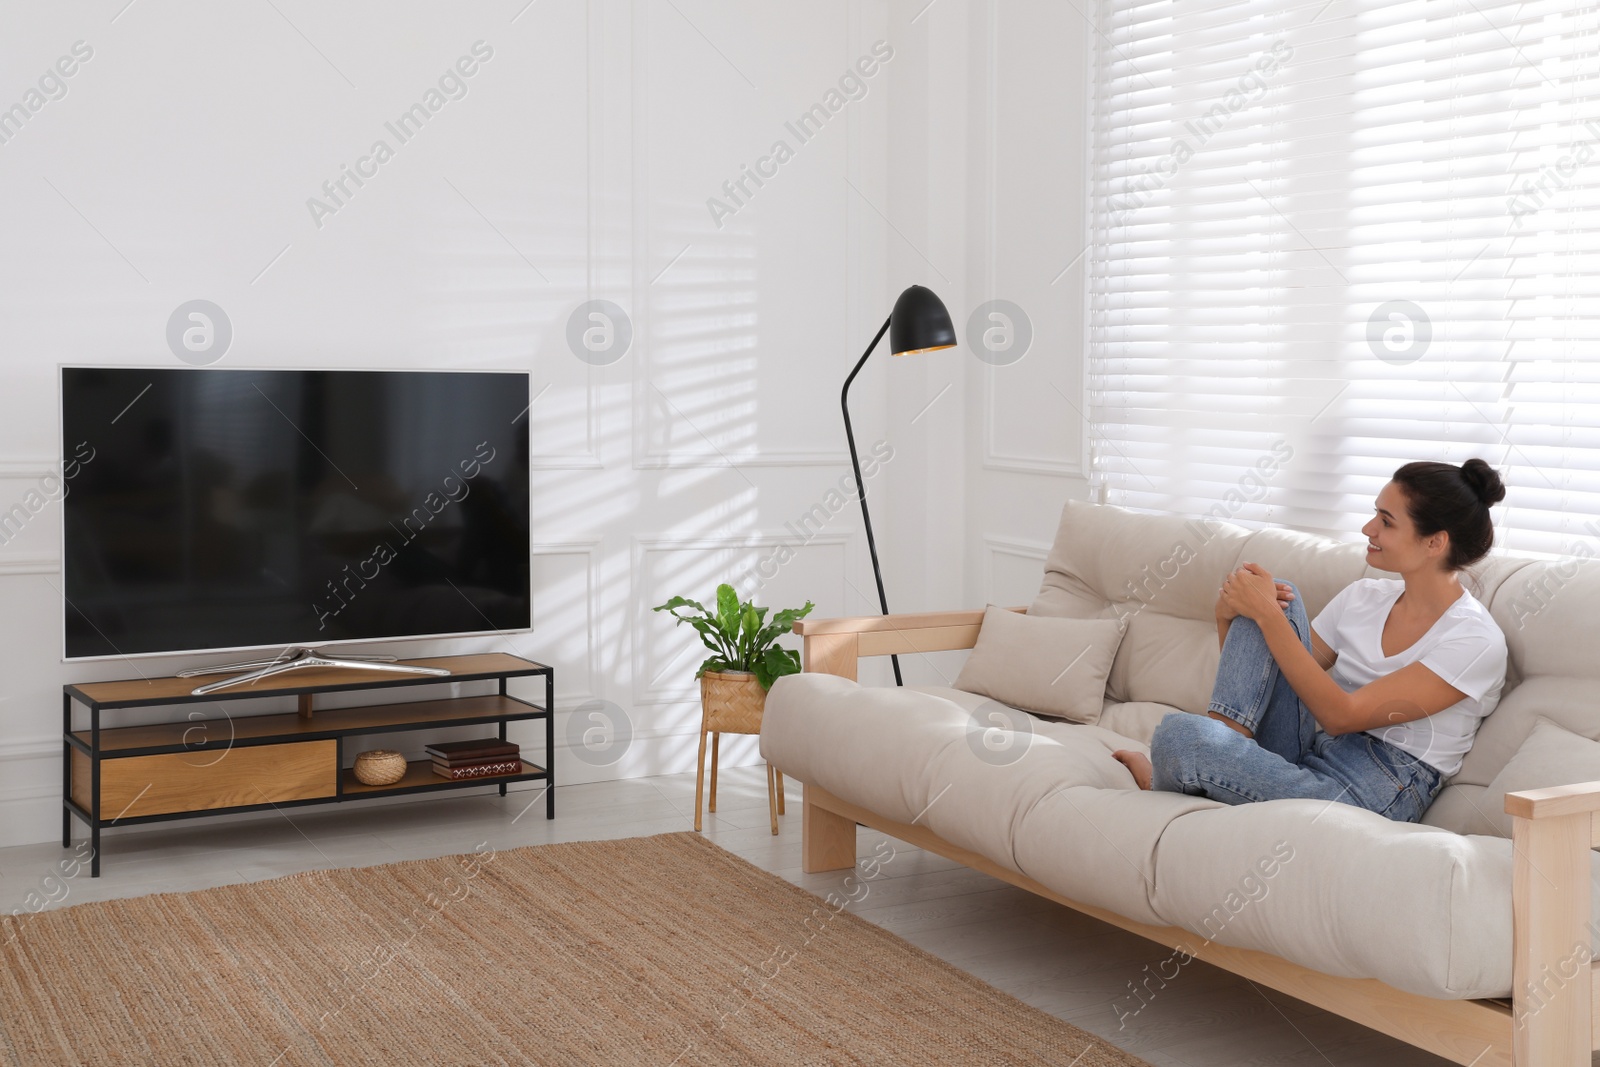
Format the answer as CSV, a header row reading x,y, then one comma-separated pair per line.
x,y
1160,574
1551,755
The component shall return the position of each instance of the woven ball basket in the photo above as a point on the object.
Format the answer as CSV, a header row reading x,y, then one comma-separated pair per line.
x,y
732,702
381,766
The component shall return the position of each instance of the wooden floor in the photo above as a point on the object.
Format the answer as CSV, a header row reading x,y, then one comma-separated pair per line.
x,y
1071,966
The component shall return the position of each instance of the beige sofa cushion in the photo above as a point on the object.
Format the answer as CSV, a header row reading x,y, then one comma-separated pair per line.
x,y
1105,556
1047,666
1100,846
919,755
1547,610
871,746
1360,896
981,711
1160,574
1459,808
1550,756
1135,719
1565,700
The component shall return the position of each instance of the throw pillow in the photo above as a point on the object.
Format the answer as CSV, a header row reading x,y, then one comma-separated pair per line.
x,y
1048,666
1550,755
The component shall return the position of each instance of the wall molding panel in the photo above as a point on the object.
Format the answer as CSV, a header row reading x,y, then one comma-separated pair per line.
x,y
995,460
586,549
996,547
29,468
15,566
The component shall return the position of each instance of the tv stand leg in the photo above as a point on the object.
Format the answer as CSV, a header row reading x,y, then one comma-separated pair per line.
x,y
550,745
94,847
66,826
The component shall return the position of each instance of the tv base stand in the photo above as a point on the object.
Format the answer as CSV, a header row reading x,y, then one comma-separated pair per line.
x,y
118,776
299,659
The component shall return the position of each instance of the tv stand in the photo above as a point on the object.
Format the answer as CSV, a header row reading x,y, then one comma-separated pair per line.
x,y
297,659
211,762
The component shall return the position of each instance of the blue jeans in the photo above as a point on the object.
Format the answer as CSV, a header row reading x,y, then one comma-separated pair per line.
x,y
1290,755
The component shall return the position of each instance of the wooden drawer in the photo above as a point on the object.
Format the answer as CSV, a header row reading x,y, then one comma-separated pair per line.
x,y
200,780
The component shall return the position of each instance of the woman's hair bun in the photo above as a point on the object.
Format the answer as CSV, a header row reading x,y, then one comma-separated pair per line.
x,y
1483,480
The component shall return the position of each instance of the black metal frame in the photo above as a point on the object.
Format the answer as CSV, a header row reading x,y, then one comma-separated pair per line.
x,y
861,488
93,750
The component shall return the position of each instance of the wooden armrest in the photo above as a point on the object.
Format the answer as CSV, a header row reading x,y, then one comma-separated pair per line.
x,y
1554,801
1552,835
861,624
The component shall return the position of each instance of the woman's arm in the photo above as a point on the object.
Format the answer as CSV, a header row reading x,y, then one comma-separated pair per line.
x,y
1325,653
1412,692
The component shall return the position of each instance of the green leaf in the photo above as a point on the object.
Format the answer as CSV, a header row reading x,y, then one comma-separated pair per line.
x,y
710,635
740,635
749,627
714,663
782,623
727,609
682,602
776,663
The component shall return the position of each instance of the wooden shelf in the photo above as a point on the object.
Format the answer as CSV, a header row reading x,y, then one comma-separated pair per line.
x,y
419,776
199,735
134,692
188,768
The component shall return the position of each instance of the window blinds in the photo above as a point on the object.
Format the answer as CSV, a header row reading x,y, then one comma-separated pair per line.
x,y
1329,238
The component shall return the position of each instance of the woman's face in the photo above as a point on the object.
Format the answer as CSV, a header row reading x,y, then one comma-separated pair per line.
x,y
1392,541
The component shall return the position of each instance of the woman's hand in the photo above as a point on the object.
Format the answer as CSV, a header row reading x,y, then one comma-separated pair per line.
x,y
1250,591
1285,596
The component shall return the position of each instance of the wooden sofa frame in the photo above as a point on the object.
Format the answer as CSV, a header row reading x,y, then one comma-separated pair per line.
x,y
1556,985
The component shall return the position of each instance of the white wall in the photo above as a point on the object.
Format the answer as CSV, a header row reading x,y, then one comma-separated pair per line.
x,y
1027,244
578,165
987,179
987,166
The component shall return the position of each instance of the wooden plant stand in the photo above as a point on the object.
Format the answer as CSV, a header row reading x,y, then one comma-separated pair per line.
x,y
120,776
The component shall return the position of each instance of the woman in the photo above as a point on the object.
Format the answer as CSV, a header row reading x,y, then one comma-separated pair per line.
x,y
1412,664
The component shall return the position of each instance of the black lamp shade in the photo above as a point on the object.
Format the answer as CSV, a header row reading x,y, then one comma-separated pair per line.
x,y
919,323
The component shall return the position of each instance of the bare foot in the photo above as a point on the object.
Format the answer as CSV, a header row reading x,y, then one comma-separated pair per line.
x,y
1137,763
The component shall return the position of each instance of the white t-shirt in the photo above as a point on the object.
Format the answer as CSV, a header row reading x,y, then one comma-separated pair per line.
x,y
1465,648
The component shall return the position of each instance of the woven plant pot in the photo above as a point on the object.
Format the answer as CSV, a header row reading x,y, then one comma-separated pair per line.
x,y
380,766
732,702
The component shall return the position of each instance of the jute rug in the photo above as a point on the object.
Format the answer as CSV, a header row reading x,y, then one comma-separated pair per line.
x,y
657,951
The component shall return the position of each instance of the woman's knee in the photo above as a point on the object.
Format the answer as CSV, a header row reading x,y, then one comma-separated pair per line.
x,y
1187,732
1178,746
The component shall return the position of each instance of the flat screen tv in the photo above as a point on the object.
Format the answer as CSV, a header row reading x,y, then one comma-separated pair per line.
x,y
211,509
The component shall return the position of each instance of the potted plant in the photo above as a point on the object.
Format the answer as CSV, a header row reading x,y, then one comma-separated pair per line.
x,y
745,660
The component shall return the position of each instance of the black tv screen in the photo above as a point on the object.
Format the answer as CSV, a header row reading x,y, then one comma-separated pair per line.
x,y
231,509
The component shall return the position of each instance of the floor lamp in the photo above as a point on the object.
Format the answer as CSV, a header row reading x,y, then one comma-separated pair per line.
x,y
918,323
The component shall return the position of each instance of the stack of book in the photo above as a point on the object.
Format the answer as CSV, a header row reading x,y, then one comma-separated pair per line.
x,y
477,758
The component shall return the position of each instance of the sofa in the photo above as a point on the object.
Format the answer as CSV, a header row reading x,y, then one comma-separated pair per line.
x,y
1468,934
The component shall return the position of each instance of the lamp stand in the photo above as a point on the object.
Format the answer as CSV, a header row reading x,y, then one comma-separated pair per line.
x,y
861,488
